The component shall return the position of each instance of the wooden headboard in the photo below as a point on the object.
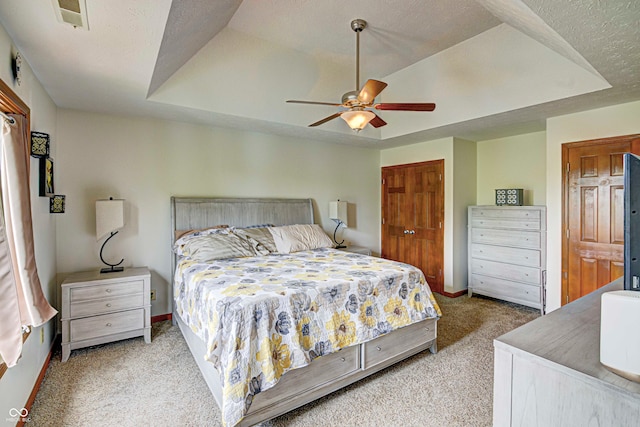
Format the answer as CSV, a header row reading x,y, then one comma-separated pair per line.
x,y
189,213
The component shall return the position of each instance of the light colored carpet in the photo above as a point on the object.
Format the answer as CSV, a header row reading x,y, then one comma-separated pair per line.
x,y
130,383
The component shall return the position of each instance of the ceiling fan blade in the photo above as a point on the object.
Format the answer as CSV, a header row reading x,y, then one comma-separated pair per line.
x,y
370,90
405,107
293,101
377,122
326,119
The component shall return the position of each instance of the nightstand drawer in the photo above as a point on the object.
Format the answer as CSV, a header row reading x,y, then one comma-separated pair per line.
x,y
106,324
106,305
386,347
106,290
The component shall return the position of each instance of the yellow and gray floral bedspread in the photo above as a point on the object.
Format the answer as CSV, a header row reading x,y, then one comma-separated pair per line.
x,y
263,316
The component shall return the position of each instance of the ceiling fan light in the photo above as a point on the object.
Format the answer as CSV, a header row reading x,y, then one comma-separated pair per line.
x,y
357,119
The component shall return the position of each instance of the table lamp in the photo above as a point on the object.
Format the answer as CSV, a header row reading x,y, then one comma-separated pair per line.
x,y
109,219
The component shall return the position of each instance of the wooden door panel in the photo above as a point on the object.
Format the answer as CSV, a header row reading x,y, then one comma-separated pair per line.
x,y
616,229
412,203
593,214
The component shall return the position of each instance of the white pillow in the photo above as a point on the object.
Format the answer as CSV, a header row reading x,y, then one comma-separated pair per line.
x,y
300,237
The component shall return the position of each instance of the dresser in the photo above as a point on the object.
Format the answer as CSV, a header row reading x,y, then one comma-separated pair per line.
x,y
548,372
99,308
507,253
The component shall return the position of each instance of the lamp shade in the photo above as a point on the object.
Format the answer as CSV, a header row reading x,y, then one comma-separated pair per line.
x,y
109,216
338,211
357,119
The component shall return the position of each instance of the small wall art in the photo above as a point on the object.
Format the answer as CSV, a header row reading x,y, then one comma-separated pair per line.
x,y
46,177
39,144
56,203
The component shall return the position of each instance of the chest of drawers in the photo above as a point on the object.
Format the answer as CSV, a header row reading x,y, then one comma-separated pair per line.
x,y
99,308
507,253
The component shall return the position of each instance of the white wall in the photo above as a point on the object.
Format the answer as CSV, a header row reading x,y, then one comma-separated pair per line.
x,y
17,382
464,180
513,162
146,161
455,252
593,124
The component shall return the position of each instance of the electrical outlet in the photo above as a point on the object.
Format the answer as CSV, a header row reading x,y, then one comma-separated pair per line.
x,y
41,335
153,294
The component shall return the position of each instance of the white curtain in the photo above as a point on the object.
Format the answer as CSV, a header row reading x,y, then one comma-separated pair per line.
x,y
22,301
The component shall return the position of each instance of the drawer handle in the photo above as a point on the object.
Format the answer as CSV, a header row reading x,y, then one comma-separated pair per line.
x,y
427,329
342,359
378,348
108,304
108,324
108,291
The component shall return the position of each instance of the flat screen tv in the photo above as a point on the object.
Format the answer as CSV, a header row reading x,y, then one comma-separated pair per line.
x,y
631,222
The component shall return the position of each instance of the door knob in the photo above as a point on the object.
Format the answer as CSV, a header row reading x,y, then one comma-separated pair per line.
x,y
406,231
412,232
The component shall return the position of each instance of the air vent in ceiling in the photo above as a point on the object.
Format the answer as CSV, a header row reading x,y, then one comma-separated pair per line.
x,y
72,12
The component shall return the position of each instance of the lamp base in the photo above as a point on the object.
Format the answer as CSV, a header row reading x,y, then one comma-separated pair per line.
x,y
340,247
111,269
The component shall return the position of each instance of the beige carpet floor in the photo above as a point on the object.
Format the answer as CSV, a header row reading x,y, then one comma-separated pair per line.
x,y
130,383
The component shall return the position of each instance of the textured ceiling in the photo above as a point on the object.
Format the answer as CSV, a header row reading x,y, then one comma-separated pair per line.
x,y
233,63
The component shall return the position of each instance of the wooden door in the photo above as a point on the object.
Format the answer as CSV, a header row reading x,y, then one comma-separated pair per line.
x,y
593,214
412,217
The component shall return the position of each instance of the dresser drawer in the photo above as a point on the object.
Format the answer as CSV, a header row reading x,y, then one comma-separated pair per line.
x,y
323,369
505,213
523,239
515,224
106,324
82,293
506,271
526,257
386,347
105,305
500,288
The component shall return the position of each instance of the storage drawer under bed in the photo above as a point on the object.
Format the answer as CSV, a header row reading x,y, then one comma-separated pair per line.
x,y
323,370
407,338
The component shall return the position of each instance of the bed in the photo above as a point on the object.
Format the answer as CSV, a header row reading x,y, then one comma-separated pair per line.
x,y
315,365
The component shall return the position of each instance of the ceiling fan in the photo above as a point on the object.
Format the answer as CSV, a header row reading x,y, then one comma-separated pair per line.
x,y
358,103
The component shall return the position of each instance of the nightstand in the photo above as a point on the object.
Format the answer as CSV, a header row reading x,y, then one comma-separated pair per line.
x,y
358,250
99,308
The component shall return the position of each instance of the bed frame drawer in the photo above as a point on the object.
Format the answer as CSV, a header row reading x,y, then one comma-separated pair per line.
x,y
386,347
323,369
107,324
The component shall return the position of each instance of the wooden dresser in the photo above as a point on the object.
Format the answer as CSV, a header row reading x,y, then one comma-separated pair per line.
x,y
99,308
507,253
548,372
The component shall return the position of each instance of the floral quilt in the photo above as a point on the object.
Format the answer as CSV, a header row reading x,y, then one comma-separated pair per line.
x,y
263,316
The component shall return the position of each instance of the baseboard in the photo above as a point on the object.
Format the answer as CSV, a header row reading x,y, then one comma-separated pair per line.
x,y
36,386
160,317
455,294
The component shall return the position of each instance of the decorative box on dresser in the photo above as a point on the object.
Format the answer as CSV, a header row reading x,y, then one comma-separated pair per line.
x,y
507,253
102,307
